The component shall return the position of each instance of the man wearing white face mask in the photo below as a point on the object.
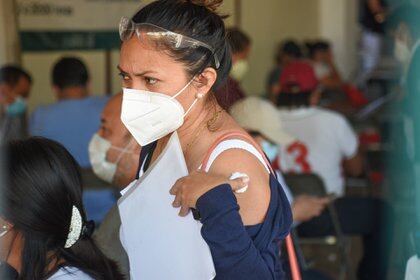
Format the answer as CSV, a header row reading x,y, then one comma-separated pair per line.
x,y
113,149
232,91
114,156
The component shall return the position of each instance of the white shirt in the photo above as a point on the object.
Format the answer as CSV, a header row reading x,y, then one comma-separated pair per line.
x,y
412,271
70,273
325,138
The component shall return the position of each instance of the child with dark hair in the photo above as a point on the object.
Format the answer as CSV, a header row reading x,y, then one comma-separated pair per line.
x,y
44,230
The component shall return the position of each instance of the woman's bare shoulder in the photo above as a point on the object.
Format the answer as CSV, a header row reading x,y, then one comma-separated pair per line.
x,y
255,201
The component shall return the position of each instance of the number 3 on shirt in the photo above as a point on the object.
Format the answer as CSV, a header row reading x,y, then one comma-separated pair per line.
x,y
295,156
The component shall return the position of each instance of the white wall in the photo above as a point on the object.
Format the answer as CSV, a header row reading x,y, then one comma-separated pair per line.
x,y
9,43
338,24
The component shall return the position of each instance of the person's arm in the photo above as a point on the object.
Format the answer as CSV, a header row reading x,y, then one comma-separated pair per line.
x,y
335,75
349,146
354,166
333,80
306,207
225,214
234,253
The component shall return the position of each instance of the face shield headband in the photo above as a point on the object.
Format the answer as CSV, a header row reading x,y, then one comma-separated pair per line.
x,y
161,37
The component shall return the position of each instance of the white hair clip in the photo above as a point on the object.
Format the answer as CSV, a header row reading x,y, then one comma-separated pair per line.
x,y
75,228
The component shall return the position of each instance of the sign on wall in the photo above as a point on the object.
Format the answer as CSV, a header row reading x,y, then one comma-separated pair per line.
x,y
72,24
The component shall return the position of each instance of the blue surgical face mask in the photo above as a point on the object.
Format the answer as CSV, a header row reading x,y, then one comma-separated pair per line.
x,y
17,108
270,150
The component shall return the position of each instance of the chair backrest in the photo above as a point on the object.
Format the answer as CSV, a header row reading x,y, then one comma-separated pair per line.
x,y
310,184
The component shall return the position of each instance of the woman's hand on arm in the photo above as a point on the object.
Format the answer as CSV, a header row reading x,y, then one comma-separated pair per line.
x,y
189,189
253,203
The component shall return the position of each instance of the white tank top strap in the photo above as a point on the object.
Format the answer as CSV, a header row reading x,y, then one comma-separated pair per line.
x,y
235,144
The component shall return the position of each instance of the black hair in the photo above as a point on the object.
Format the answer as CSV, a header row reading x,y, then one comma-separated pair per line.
x,y
288,47
410,15
70,72
199,20
10,74
238,40
293,100
314,47
43,184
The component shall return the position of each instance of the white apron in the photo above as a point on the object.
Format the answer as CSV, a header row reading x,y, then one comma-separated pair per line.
x,y
159,243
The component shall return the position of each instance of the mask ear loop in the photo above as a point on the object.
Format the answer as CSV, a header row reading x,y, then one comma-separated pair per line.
x,y
198,96
122,151
192,105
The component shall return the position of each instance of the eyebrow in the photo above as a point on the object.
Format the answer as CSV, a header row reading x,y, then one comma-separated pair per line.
x,y
140,74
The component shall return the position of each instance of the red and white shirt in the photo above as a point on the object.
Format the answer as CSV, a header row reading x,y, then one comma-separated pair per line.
x,y
325,139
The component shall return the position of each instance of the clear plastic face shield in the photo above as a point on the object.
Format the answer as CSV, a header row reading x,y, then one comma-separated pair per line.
x,y
161,37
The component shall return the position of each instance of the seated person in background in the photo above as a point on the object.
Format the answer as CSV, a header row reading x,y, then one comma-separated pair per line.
x,y
113,152
325,143
287,52
114,155
336,93
15,86
45,233
325,137
231,91
322,60
74,119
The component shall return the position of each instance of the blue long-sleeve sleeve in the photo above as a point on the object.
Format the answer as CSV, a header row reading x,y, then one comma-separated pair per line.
x,y
234,253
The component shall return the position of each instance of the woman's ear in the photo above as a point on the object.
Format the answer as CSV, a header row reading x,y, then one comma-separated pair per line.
x,y
206,80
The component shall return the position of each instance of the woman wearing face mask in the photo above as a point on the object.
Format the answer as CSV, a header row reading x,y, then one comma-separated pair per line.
x,y
174,55
44,232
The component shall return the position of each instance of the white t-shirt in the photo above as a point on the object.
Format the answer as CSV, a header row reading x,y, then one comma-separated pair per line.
x,y
325,138
70,273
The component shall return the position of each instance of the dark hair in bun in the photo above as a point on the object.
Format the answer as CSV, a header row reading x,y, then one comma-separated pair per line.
x,y
212,5
197,19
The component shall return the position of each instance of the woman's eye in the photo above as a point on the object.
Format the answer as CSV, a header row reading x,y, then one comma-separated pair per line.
x,y
150,81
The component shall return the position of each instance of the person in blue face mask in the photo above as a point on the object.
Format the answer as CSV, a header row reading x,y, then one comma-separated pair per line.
x,y
15,86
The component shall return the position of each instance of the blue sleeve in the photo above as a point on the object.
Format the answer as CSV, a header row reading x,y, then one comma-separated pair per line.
x,y
33,124
234,253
